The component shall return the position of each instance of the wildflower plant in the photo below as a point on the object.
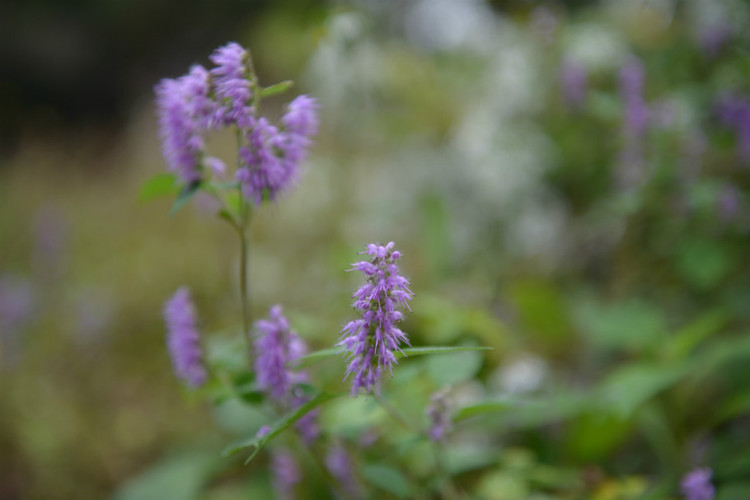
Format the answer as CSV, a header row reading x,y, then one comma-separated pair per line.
x,y
273,374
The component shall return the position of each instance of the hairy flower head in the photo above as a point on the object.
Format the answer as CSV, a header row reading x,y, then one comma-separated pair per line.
x,y
372,340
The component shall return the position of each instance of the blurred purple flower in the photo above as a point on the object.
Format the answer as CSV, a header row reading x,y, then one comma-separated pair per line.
x,y
232,85
712,37
370,342
183,339
339,464
17,304
635,123
185,111
272,158
286,474
574,81
734,113
277,347
728,203
696,485
439,415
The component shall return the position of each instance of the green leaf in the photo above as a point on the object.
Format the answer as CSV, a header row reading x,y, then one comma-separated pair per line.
x,y
276,88
185,195
388,479
454,367
158,186
421,351
255,443
179,477
483,408
409,351
632,385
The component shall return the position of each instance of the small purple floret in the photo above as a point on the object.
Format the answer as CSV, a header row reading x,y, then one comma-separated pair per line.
x,y
372,340
183,339
696,485
277,346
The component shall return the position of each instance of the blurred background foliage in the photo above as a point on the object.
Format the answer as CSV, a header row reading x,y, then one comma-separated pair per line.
x,y
493,141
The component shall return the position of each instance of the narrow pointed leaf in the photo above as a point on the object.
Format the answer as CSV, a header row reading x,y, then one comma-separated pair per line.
x,y
483,408
158,186
276,88
255,443
407,352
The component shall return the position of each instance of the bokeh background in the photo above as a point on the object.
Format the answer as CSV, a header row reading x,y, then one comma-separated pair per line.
x,y
567,181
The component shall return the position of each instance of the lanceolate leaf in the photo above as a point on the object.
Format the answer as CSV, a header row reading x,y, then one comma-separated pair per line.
x,y
255,443
276,88
408,352
485,407
164,184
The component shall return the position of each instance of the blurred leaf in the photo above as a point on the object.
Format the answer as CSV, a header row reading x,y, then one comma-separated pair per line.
x,y
686,338
593,435
632,325
733,407
628,387
454,368
186,194
180,477
703,262
407,352
735,490
542,312
388,479
255,443
503,485
482,408
276,88
158,186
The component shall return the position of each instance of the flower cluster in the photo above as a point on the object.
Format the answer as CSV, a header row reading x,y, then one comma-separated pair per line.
x,y
276,347
203,100
183,339
371,340
696,485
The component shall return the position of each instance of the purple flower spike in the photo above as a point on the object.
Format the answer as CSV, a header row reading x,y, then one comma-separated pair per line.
x,y
277,346
185,110
439,415
370,342
230,77
696,485
286,474
183,340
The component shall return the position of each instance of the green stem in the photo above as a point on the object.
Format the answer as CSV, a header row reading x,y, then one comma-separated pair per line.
x,y
244,273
